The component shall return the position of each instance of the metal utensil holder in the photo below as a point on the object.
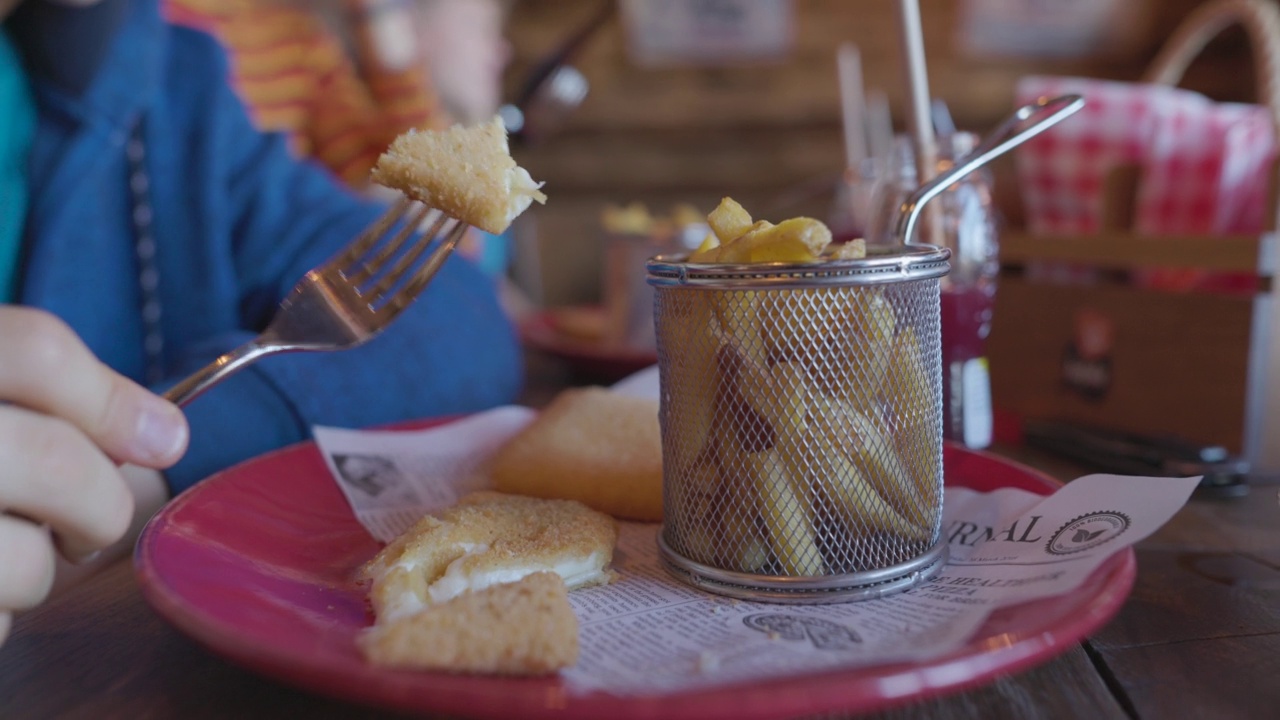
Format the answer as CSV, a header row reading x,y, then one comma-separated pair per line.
x,y
801,423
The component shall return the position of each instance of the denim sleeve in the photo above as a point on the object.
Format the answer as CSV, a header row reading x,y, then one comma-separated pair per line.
x,y
453,351
450,353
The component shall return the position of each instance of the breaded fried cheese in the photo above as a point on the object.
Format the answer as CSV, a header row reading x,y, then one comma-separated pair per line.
x,y
524,627
601,448
465,172
488,539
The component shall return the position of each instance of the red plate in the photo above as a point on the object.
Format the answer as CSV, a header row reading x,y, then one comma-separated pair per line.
x,y
543,331
256,563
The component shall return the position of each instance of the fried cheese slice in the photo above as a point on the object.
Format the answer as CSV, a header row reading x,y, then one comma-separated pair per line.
x,y
465,172
488,539
524,627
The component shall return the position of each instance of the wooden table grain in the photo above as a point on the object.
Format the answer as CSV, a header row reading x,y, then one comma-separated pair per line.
x,y
1198,637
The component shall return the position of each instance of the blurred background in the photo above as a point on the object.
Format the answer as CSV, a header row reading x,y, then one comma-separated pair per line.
x,y
767,130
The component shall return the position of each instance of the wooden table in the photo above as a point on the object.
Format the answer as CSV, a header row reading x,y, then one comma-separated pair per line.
x,y
1199,637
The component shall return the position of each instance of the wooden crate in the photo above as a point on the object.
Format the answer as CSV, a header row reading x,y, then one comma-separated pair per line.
x,y
1112,353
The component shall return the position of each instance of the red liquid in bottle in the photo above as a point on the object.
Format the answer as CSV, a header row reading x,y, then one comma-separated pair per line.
x,y
966,387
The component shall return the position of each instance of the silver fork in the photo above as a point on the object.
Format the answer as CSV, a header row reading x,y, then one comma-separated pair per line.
x,y
346,301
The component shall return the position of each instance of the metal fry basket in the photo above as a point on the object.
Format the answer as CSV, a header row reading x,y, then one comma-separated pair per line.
x,y
801,417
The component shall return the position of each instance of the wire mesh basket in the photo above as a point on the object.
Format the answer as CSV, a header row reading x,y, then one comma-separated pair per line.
x,y
801,418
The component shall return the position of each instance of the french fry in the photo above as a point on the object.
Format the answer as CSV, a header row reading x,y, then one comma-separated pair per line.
x,y
743,428
873,323
744,543
729,221
798,240
780,395
860,506
791,532
707,251
856,356
693,510
846,347
750,446
912,396
794,328
689,327
743,252
854,249
783,474
754,328
738,312
908,387
858,438
791,386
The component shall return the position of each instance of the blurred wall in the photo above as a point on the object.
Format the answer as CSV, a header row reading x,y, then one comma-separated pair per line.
x,y
769,134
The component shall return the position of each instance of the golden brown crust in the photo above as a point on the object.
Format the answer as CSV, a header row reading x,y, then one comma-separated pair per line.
x,y
464,172
494,534
520,628
598,447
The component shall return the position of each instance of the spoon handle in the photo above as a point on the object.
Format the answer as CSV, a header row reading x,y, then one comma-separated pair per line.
x,y
1023,124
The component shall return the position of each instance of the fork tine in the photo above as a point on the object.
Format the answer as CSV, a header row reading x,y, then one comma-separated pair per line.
x,y
423,276
407,261
369,266
371,234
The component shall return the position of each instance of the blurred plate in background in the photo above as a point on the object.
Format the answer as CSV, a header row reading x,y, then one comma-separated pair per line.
x,y
576,335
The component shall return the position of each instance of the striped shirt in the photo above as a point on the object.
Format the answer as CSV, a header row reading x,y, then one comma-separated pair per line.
x,y
295,76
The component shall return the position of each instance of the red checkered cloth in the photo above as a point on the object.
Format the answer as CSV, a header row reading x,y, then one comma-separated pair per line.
x,y
1205,165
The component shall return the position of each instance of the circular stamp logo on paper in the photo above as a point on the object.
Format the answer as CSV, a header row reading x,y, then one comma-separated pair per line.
x,y
1087,532
823,634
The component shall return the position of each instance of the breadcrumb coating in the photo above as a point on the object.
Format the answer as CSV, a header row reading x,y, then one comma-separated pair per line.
x,y
592,445
521,628
481,586
465,172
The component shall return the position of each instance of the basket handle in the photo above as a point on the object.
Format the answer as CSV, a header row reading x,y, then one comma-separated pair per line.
x,y
1260,18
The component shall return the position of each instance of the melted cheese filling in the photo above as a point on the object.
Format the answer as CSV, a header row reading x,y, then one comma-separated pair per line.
x,y
456,580
521,192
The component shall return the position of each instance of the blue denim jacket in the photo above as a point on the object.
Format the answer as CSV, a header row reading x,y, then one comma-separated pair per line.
x,y
236,222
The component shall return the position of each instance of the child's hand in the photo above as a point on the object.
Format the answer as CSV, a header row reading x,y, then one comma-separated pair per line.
x,y
66,420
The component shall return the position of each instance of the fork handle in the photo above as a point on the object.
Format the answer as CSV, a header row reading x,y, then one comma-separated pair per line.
x,y
217,371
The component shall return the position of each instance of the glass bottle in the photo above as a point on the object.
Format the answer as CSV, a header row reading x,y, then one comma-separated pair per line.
x,y
970,230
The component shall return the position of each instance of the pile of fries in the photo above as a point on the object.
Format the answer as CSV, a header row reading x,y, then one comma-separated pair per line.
x,y
800,426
